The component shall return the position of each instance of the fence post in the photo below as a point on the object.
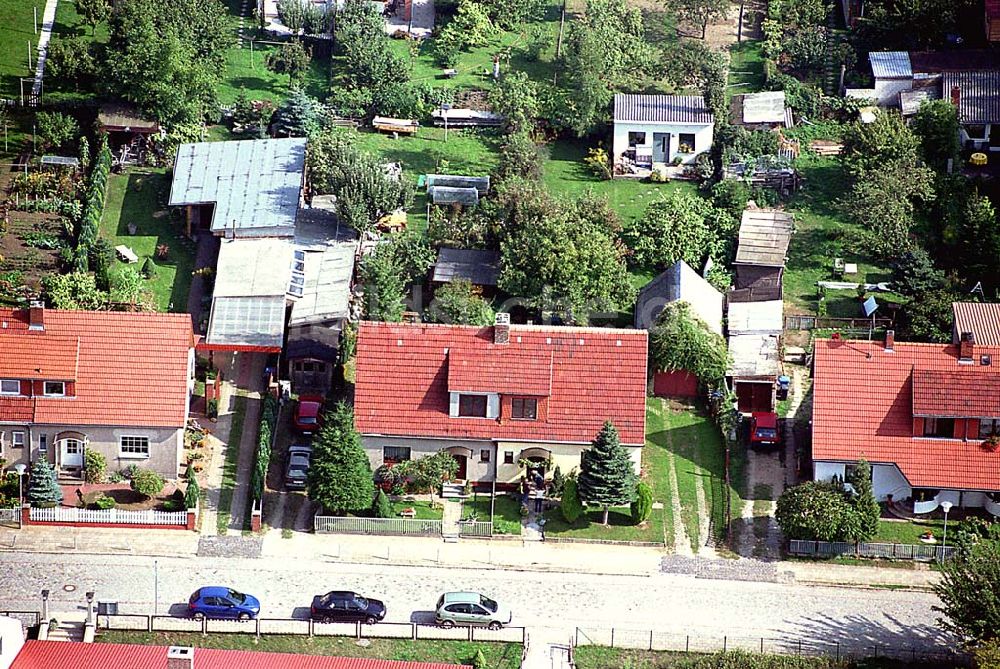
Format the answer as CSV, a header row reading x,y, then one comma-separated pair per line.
x,y
469,633
838,651
762,645
687,643
612,637
724,644
650,640
257,627
204,626
800,647
357,629
576,636
414,630
311,624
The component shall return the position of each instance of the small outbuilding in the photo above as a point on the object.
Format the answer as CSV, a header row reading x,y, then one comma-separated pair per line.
x,y
761,111
763,244
680,282
659,130
478,267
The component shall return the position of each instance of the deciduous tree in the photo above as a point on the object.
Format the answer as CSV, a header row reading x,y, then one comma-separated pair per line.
x,y
678,225
969,592
458,303
936,126
94,11
340,476
56,129
292,58
700,13
515,97
607,477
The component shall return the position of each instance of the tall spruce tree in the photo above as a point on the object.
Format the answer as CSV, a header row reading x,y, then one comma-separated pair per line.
x,y
340,477
865,505
607,477
43,486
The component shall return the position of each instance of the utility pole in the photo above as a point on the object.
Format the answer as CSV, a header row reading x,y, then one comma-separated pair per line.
x,y
562,23
739,24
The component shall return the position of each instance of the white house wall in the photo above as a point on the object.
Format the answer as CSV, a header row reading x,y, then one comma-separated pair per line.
x,y
565,456
887,480
702,138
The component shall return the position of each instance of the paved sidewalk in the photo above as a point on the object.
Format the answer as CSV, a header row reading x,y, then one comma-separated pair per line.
x,y
48,18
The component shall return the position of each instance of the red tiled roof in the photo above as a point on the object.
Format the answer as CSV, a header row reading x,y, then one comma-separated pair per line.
x,y
863,408
589,375
956,392
500,369
130,368
980,318
55,654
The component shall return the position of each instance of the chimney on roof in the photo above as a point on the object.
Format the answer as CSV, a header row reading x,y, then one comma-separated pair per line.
x,y
501,329
956,95
180,657
411,317
965,345
36,315
890,340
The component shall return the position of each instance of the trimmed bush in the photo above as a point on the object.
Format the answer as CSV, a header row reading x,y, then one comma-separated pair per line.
x,y
94,467
146,482
193,492
381,508
105,502
268,420
643,504
570,505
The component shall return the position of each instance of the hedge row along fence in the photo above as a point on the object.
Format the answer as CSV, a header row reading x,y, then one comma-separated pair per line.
x,y
93,207
265,440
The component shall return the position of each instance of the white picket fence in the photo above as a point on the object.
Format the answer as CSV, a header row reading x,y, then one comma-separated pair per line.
x,y
392,526
108,516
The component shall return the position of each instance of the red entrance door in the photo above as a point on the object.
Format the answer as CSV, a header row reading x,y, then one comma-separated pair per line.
x,y
462,466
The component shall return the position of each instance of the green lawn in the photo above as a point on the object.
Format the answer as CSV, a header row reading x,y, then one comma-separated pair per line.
x,y
694,439
619,527
423,509
498,655
746,68
602,657
247,70
820,227
17,32
908,532
139,196
506,512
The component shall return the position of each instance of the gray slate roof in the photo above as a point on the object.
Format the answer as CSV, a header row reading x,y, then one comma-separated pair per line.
x,y
979,95
254,184
679,282
890,64
763,239
480,268
661,109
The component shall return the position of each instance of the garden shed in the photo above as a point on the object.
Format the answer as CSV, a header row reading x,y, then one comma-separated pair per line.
x,y
659,129
763,244
680,282
478,267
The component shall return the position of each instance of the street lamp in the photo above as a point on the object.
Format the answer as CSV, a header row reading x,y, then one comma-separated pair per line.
x,y
90,607
20,468
946,507
445,108
45,606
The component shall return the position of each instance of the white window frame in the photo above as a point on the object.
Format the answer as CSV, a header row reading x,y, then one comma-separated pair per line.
x,y
14,438
43,443
45,389
131,454
16,391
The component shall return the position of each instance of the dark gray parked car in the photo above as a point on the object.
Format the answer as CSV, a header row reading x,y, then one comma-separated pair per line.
x,y
299,459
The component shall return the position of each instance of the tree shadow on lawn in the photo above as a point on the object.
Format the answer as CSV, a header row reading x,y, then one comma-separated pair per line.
x,y
259,84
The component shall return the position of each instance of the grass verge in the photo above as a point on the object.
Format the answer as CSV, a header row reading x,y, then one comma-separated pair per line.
x,y
602,657
506,512
228,485
138,197
498,655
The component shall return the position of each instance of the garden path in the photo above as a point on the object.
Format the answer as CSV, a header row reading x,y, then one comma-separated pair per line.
x,y
682,544
48,18
707,549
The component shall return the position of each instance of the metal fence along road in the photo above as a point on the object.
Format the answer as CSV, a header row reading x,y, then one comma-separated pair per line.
x,y
387,526
475,528
305,627
923,552
662,641
10,516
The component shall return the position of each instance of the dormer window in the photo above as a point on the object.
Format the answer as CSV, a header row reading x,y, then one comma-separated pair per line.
x,y
989,427
940,428
10,387
524,408
472,406
54,389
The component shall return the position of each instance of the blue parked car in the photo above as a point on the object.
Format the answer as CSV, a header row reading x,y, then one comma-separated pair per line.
x,y
216,602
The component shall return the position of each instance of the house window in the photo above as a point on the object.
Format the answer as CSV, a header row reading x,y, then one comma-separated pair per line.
x,y
10,387
636,138
508,457
43,443
472,406
394,454
17,439
484,455
133,447
685,142
989,427
54,388
524,408
942,428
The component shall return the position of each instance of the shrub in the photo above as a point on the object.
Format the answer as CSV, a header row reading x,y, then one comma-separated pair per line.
x,y
815,511
148,269
479,660
643,504
212,408
94,467
558,483
193,492
381,508
105,502
173,505
146,482
570,505
597,162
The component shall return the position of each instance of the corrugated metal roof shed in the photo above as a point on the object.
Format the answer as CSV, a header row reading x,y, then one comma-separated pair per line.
x,y
764,236
254,184
253,267
765,107
890,64
662,109
56,654
481,184
480,268
756,317
979,95
982,319
327,292
680,282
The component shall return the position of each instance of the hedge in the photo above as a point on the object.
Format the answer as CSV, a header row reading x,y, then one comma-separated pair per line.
x,y
265,439
93,208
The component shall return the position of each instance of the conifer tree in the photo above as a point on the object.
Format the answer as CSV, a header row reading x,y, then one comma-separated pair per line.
x,y
607,477
340,477
43,486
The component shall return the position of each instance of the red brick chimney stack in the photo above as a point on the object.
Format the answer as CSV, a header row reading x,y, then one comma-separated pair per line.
x,y
890,340
180,657
966,345
36,315
501,329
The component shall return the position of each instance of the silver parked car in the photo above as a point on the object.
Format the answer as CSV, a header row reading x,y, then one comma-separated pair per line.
x,y
299,459
470,608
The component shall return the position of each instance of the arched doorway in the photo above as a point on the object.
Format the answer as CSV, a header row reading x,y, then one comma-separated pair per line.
x,y
461,455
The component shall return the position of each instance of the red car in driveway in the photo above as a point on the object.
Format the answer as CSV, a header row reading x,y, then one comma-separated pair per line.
x,y
764,429
306,418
